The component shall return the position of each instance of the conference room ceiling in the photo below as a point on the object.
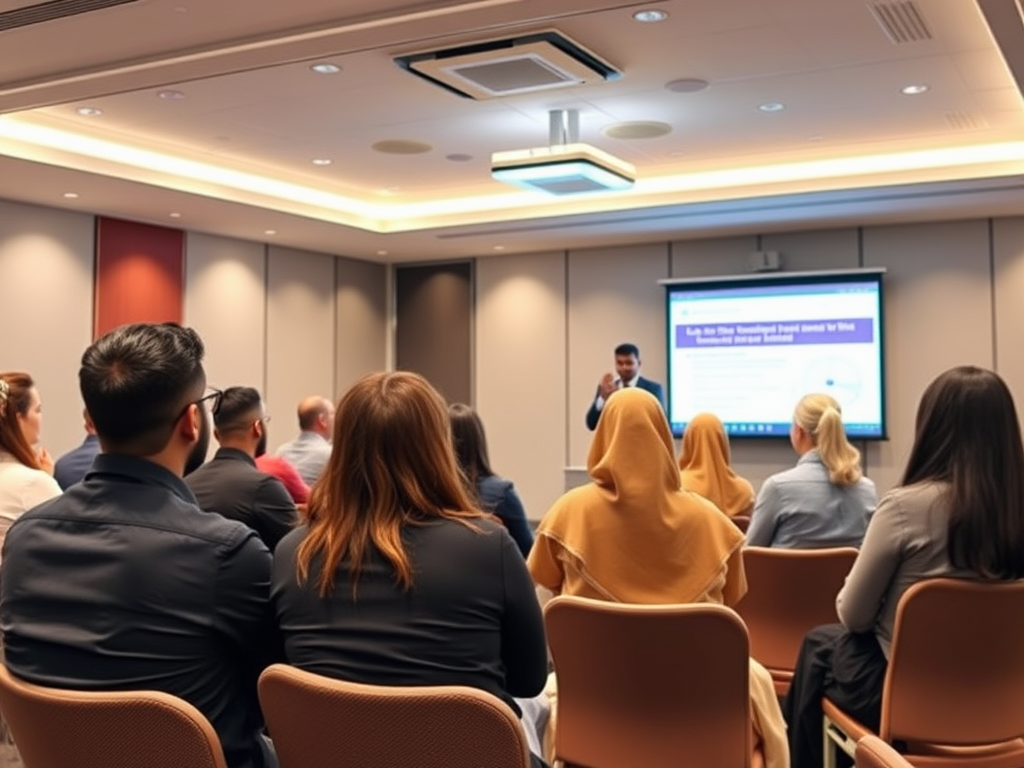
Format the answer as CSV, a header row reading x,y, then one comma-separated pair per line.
x,y
207,116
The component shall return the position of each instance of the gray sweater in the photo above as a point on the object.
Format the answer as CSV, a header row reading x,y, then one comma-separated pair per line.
x,y
905,543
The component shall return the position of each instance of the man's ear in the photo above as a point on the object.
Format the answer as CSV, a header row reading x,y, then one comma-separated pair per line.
x,y
190,425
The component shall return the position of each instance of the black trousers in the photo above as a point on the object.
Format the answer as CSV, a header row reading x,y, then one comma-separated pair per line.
x,y
847,667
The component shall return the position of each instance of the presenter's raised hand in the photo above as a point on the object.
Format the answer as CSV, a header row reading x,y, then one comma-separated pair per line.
x,y
607,385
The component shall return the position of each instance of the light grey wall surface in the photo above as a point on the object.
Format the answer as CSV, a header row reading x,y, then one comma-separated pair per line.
x,y
361,327
46,304
521,371
545,324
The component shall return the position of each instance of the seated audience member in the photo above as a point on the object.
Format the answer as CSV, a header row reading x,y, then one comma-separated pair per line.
x,y
73,465
286,472
123,583
704,465
26,472
495,494
310,451
957,512
229,483
634,535
824,501
398,579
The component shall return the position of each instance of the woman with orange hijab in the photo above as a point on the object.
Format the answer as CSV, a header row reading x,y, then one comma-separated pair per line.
x,y
704,464
635,535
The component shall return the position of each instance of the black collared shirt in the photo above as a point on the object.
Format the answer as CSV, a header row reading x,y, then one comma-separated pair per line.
x,y
123,583
231,485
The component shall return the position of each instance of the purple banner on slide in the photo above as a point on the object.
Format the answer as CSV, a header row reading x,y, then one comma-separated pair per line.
x,y
859,330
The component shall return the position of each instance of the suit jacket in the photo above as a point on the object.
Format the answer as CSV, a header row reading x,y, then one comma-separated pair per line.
x,y
72,466
230,485
646,384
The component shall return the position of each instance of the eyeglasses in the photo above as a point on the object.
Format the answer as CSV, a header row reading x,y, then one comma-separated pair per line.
x,y
216,396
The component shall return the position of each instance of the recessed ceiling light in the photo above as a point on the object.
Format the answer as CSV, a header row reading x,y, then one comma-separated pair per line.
x,y
650,16
170,95
640,129
771,106
321,161
89,111
913,90
269,231
401,147
382,253
686,85
325,68
499,247
71,195
174,215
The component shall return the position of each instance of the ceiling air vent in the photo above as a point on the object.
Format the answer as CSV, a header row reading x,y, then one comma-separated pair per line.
x,y
901,21
37,13
510,66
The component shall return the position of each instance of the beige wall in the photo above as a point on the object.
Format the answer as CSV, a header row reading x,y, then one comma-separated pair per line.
x,y
287,322
294,323
46,269
951,298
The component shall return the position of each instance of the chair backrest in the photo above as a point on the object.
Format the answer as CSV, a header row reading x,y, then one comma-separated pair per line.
x,y
649,685
789,591
956,668
57,728
872,752
320,722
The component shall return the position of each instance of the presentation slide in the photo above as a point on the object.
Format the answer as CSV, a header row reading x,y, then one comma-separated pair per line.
x,y
747,350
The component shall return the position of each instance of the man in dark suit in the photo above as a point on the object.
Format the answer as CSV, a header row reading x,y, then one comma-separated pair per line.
x,y
230,484
627,374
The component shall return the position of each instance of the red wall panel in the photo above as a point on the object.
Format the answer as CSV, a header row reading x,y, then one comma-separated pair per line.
x,y
140,274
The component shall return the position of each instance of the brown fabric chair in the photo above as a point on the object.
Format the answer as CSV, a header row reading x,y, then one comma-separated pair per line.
x,y
656,686
872,752
789,591
954,687
320,722
57,728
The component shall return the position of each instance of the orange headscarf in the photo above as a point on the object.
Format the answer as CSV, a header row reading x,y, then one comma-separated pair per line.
x,y
704,462
634,535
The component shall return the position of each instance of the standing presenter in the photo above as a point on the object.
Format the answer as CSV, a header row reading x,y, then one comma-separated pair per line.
x,y
627,374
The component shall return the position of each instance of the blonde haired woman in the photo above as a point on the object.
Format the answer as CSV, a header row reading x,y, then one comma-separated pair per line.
x,y
704,466
26,473
824,501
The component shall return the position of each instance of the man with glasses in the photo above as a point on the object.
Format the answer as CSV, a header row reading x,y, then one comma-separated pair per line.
x,y
230,484
123,582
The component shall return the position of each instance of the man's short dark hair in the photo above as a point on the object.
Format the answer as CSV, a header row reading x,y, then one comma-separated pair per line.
x,y
628,349
236,406
136,382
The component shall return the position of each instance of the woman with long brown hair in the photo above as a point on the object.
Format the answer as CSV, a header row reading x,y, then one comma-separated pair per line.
x,y
26,472
397,578
958,512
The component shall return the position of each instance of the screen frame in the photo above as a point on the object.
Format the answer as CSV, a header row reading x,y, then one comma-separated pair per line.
x,y
816,277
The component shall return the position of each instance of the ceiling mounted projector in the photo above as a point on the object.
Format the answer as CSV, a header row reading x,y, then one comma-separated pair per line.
x,y
567,166
564,169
